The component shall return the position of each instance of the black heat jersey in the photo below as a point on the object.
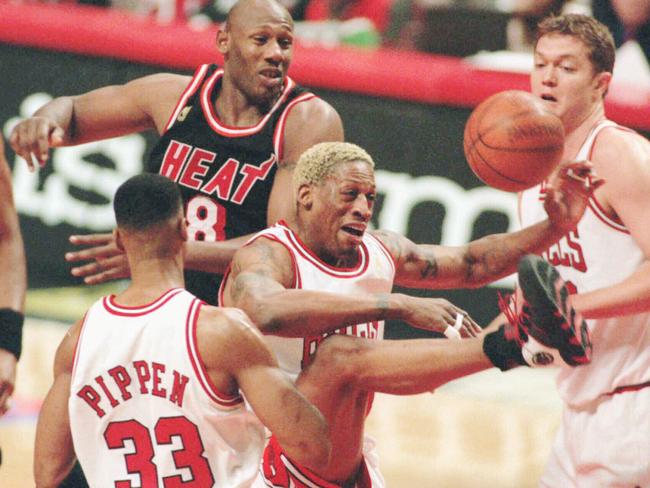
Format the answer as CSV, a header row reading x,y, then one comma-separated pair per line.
x,y
225,173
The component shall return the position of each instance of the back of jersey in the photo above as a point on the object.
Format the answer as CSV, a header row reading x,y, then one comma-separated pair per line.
x,y
143,411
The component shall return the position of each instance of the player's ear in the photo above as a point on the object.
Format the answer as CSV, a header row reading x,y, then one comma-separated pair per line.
x,y
223,41
117,237
306,196
182,228
602,81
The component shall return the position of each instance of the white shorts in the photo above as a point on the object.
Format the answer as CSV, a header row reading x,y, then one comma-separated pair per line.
x,y
604,446
278,471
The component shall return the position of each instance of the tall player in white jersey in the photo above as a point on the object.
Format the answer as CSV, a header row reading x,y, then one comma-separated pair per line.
x,y
604,439
147,385
321,274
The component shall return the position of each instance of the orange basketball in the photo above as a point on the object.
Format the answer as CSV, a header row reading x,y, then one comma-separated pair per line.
x,y
512,141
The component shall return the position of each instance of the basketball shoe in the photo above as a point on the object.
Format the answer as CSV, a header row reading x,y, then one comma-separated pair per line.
x,y
545,329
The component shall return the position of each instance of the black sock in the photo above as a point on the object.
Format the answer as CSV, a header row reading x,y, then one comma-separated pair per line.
x,y
504,353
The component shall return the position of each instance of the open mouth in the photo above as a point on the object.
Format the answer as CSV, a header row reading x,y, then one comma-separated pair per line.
x,y
549,98
272,75
353,230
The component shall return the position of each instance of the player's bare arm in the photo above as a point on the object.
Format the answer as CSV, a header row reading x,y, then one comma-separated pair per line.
x,y
308,123
54,453
495,256
625,196
236,356
261,284
111,111
12,286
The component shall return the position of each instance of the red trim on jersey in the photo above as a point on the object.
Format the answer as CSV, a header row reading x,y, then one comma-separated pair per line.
x,y
114,308
189,91
597,208
227,131
221,399
289,474
386,252
75,357
278,137
305,252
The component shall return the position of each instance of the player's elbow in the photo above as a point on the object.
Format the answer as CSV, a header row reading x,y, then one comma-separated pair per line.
x,y
316,455
46,475
313,448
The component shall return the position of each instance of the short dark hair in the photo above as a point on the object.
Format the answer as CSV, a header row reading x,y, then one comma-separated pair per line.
x,y
145,200
594,34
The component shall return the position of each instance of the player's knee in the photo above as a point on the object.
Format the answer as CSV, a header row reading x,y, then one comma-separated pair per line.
x,y
339,356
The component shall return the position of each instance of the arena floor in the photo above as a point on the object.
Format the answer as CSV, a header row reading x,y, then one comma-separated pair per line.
x,y
491,430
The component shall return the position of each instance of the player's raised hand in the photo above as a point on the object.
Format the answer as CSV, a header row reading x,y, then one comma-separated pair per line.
x,y
440,315
568,190
7,379
108,262
32,139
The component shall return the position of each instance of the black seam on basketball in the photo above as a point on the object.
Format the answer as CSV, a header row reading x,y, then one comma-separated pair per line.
x,y
487,163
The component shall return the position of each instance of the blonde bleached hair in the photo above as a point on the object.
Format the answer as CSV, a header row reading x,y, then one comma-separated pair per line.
x,y
319,161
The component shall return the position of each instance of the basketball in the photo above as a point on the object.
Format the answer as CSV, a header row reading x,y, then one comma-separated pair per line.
x,y
512,141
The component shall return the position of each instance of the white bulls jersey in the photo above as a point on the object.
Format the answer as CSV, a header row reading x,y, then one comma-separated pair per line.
x,y
374,273
142,409
599,253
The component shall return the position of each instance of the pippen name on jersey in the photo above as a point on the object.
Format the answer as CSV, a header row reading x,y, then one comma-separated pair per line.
x,y
188,166
152,379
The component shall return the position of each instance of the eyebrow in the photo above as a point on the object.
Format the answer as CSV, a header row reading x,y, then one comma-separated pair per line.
x,y
561,57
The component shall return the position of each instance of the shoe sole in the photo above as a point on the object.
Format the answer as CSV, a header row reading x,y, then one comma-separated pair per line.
x,y
543,288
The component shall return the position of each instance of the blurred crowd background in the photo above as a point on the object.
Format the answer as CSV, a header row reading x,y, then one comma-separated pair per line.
x,y
425,25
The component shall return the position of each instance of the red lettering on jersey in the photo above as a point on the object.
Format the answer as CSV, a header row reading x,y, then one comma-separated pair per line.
x,y
368,330
174,159
251,175
143,374
156,390
222,181
107,392
568,252
89,395
196,167
542,191
122,380
178,388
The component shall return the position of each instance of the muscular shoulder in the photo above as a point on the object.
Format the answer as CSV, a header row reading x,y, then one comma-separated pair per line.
x,y
158,94
399,246
225,336
309,123
621,156
266,257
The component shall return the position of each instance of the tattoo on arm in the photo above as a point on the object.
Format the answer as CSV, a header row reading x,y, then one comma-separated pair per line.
x,y
258,272
429,268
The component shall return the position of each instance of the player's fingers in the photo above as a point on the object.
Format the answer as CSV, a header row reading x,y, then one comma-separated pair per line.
x,y
86,270
105,276
56,137
16,144
91,239
43,142
98,252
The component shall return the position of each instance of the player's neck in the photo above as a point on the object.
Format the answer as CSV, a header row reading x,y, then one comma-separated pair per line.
x,y
576,134
234,109
150,278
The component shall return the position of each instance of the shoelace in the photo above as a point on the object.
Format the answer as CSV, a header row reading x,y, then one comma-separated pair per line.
x,y
518,322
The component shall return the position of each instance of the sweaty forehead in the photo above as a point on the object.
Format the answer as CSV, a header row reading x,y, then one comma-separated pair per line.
x,y
248,14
